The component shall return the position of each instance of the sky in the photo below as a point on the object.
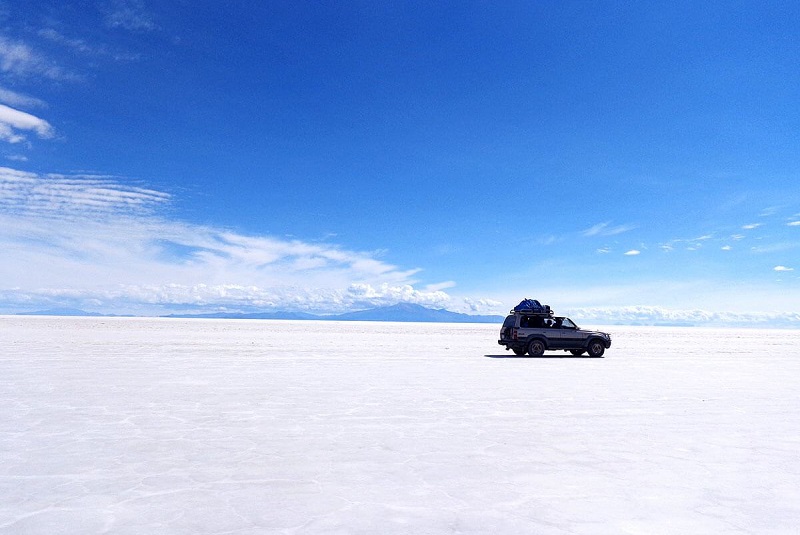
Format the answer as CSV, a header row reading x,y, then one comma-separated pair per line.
x,y
165,157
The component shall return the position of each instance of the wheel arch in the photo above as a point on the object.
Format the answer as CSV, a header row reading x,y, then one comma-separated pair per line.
x,y
533,337
595,352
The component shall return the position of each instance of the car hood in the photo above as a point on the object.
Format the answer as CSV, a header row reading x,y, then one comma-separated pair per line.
x,y
597,333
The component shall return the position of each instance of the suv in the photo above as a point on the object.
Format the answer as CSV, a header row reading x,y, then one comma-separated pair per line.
x,y
535,333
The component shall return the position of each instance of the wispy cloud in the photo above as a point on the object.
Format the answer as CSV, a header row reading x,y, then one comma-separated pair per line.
x,y
633,252
18,100
99,242
13,122
483,306
440,286
75,45
775,247
752,226
606,229
654,315
128,14
85,48
783,268
21,60
62,196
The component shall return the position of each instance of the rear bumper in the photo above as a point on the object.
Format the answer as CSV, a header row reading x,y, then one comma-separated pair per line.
x,y
512,344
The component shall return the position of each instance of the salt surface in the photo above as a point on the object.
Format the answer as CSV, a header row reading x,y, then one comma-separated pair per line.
x,y
230,426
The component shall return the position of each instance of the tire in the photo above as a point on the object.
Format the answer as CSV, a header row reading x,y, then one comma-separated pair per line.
x,y
596,348
519,351
577,352
536,348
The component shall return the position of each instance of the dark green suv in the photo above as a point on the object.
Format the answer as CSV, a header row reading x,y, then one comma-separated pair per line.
x,y
536,333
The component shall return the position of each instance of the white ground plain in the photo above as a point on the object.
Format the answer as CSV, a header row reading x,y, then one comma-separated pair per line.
x,y
112,425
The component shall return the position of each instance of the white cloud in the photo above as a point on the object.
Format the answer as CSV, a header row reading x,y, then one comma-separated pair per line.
x,y
483,306
605,229
726,247
440,286
769,211
654,315
752,226
19,100
97,242
85,48
783,268
64,196
75,45
633,252
129,15
13,121
793,224
713,293
19,59
775,247
366,295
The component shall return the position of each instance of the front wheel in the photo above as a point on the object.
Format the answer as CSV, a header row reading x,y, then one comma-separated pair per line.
x,y
596,348
536,348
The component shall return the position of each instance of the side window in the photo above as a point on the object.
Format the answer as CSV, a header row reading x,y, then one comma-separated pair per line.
x,y
530,322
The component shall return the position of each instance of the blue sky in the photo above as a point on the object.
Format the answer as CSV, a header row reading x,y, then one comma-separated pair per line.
x,y
327,156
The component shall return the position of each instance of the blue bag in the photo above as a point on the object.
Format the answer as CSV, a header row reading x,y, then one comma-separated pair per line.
x,y
530,305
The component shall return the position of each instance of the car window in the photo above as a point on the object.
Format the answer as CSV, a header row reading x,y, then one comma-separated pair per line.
x,y
530,322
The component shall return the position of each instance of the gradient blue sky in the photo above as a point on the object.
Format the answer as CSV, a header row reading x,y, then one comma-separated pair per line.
x,y
327,156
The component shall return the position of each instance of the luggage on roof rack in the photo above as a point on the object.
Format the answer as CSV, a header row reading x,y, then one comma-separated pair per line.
x,y
532,306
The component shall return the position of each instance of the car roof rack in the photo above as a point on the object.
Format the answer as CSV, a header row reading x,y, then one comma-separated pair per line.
x,y
530,312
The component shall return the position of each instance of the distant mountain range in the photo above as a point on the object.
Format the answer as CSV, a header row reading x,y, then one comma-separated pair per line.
x,y
402,312
60,312
71,312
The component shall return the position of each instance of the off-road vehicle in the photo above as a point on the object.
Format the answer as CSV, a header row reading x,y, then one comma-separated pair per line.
x,y
536,332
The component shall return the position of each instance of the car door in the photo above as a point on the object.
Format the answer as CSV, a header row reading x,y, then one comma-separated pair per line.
x,y
553,333
571,336
539,326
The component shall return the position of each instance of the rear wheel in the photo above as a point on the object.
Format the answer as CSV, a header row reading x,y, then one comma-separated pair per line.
x,y
596,348
536,348
576,352
519,351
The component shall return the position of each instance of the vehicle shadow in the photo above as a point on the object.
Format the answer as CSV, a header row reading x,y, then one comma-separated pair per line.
x,y
544,357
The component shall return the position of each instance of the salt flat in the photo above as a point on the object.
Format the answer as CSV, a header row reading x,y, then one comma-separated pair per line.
x,y
112,425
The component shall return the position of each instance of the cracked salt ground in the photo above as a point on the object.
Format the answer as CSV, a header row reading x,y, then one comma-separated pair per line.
x,y
128,425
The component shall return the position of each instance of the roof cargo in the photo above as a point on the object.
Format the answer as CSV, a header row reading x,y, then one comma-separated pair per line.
x,y
532,306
